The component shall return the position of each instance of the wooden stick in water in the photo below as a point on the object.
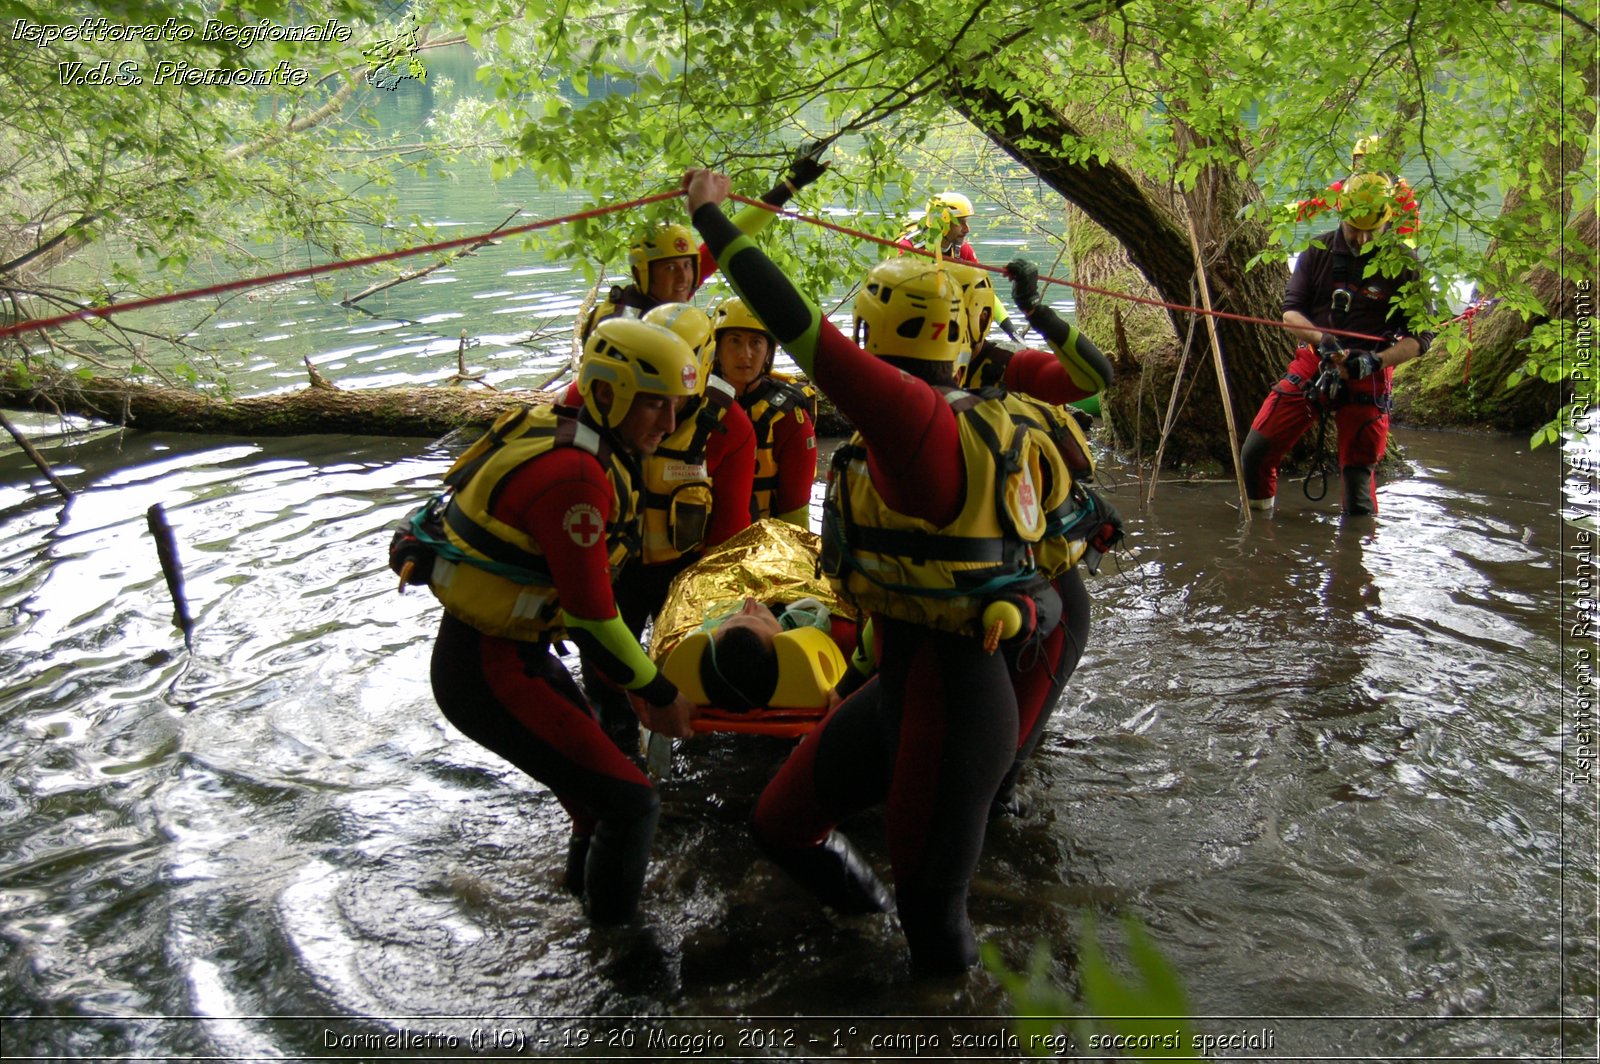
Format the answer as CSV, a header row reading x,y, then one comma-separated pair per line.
x,y
167,551
38,459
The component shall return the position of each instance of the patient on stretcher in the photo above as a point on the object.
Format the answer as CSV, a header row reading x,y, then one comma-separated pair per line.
x,y
751,632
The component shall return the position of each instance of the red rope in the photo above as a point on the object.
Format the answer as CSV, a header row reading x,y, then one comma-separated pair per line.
x,y
110,309
1044,277
106,311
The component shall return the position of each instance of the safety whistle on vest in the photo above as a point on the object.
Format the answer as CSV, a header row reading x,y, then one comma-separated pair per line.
x,y
1002,620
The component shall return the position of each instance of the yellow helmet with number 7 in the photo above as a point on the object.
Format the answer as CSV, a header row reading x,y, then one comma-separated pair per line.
x,y
635,358
909,307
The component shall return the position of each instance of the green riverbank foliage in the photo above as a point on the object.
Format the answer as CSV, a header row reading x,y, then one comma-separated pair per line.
x,y
1147,116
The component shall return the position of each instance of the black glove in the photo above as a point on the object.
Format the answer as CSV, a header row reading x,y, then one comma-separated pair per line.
x,y
1329,345
805,168
1362,365
1011,331
1024,284
1105,535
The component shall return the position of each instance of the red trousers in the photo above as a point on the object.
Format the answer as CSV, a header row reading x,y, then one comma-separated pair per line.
x,y
1361,416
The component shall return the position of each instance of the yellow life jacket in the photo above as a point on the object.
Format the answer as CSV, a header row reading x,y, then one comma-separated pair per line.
x,y
675,500
620,302
493,575
904,567
1060,549
773,397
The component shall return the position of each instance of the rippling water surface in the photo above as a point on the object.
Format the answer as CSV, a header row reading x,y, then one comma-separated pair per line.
x,y
1322,764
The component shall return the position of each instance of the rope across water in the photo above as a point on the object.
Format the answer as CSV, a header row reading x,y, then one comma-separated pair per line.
x,y
109,310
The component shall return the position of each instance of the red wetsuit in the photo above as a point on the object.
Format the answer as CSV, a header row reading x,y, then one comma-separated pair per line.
x,y
1361,414
785,446
730,464
518,700
936,742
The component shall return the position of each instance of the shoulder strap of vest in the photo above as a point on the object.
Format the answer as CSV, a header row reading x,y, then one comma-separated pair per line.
x,y
1341,271
961,401
567,431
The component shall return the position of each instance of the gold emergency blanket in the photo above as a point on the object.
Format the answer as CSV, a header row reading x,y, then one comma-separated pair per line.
x,y
771,561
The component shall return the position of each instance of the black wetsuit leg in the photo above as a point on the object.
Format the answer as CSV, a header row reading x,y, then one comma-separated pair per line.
x,y
1040,674
518,700
957,717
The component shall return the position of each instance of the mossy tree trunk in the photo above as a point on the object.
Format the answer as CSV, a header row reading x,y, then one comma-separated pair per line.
x,y
1152,257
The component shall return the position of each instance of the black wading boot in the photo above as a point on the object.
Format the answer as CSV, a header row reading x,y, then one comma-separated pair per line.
x,y
939,934
1357,482
613,874
832,870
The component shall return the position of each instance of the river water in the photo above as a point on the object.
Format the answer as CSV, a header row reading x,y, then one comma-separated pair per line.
x,y
1338,772
1326,766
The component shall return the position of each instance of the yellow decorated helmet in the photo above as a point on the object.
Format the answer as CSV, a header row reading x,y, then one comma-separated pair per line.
x,y
635,358
1366,201
665,242
909,307
732,313
692,324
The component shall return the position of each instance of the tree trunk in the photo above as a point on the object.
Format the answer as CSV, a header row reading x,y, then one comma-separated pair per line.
x,y
1469,386
429,412
1151,228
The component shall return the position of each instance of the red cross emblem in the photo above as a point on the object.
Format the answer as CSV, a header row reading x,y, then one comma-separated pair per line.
x,y
691,377
583,524
680,244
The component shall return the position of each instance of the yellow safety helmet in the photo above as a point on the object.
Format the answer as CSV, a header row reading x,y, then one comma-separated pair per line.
x,y
732,313
942,212
1366,201
977,302
689,322
1363,147
665,242
951,205
810,666
635,358
909,307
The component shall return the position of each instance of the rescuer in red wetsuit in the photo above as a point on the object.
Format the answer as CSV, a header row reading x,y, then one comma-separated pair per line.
x,y
782,412
543,513
694,492
936,743
944,226
1331,289
666,265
